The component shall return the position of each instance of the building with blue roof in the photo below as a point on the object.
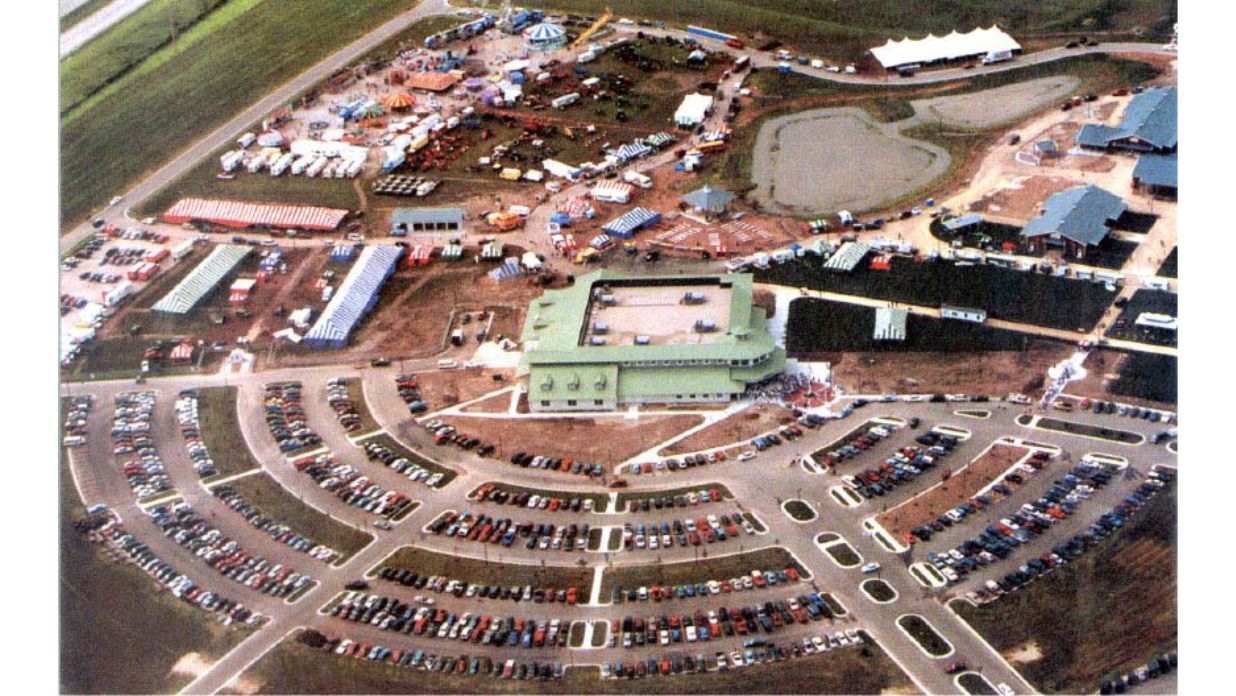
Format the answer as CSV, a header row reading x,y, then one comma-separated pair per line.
x,y
1074,220
1149,125
1156,174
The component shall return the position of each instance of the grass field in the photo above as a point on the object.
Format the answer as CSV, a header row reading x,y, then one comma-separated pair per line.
x,y
296,668
845,30
1085,430
475,570
81,12
277,503
1147,376
391,443
174,98
125,45
221,431
1060,303
1156,301
703,570
817,326
117,619
1121,607
924,635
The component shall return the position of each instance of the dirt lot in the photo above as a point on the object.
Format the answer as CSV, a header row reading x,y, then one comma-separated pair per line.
x,y
995,107
992,373
499,403
1021,199
743,425
606,441
442,388
960,487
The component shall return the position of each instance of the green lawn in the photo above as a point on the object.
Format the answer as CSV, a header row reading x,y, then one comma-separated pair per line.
x,y
216,408
126,45
164,105
112,616
293,667
263,492
475,570
924,635
82,11
1147,376
1169,269
703,570
799,510
1120,602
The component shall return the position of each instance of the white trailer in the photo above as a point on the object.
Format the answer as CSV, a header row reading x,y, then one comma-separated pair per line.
x,y
301,163
182,250
316,168
256,163
246,140
994,57
281,164
640,180
565,100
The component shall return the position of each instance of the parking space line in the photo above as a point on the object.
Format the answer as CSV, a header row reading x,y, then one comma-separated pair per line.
x,y
882,536
228,479
594,596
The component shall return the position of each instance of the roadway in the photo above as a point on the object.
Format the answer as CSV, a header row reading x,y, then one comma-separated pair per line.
x,y
91,27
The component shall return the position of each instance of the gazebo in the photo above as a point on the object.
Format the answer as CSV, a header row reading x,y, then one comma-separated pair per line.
x,y
545,36
709,201
399,101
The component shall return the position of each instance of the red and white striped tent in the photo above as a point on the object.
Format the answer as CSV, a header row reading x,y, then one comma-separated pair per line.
x,y
240,214
183,352
421,255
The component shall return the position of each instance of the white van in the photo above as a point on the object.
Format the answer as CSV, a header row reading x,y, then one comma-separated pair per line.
x,y
447,364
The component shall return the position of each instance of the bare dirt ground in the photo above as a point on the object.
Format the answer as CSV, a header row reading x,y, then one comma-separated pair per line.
x,y
606,441
442,388
959,488
759,418
993,373
1020,199
995,107
498,403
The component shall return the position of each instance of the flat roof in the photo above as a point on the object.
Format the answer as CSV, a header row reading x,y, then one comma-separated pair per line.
x,y
426,216
658,313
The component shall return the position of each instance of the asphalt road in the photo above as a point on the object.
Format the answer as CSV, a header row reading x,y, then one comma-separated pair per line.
x,y
84,31
758,486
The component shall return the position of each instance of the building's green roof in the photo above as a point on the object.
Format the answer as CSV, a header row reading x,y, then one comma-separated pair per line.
x,y
555,324
558,382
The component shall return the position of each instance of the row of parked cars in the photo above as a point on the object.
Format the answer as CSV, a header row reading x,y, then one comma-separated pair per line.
x,y
1155,668
446,664
1112,408
903,466
682,500
787,433
674,464
411,394
755,651
341,402
188,418
391,614
285,417
124,256
504,530
998,492
515,593
76,416
494,493
98,277
769,617
107,529
1072,549
275,530
855,447
999,540
446,434
536,461
755,580
132,439
376,451
346,482
181,523
704,529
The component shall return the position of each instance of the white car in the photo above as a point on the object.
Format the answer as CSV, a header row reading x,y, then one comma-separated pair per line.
x,y
746,456
870,567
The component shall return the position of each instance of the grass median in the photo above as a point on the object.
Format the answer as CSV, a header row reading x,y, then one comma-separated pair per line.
x,y
293,667
278,503
221,433
923,634
702,570
475,570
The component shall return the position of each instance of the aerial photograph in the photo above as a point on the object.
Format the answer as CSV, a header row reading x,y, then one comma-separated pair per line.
x,y
616,347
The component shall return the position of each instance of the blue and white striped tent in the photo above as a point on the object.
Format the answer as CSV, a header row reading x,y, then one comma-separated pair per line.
x,y
631,151
545,36
356,297
630,222
510,268
659,140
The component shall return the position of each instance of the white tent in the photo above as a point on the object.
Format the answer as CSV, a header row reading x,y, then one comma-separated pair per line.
x,y
693,110
931,48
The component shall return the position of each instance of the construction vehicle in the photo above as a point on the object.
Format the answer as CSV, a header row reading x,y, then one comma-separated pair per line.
x,y
505,221
596,26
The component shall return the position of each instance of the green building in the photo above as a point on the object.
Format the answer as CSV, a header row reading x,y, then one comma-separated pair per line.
x,y
613,339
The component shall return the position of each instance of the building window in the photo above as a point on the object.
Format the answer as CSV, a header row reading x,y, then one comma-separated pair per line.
x,y
545,404
599,402
570,402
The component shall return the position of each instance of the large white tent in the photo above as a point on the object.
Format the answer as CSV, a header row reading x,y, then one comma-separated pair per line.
x,y
932,49
693,110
